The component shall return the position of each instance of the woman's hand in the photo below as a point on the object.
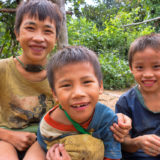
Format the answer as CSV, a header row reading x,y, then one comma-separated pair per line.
x,y
57,152
20,140
123,127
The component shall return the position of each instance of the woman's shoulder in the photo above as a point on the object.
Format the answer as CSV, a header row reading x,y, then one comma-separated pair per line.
x,y
6,62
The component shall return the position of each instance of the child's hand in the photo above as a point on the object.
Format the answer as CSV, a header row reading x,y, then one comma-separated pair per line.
x,y
20,140
57,152
123,127
150,144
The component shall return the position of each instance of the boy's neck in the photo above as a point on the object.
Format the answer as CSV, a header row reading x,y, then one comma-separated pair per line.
x,y
151,100
58,115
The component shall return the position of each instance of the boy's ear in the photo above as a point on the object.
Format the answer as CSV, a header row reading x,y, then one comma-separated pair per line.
x,y
54,96
131,69
101,88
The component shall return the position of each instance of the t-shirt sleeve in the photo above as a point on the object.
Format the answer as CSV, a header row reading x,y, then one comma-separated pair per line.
x,y
103,119
112,147
110,159
122,106
2,72
40,140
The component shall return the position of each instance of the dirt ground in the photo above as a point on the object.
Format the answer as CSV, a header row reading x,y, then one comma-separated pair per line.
x,y
109,97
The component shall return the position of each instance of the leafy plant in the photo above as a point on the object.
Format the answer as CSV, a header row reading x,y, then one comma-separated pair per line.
x,y
116,73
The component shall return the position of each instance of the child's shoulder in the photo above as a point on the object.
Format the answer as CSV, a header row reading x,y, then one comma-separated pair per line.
x,y
104,112
131,93
103,108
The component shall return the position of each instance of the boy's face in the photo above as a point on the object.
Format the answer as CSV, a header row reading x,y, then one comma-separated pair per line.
x,y
37,38
146,70
77,90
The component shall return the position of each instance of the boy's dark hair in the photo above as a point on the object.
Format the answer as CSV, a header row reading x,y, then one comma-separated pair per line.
x,y
40,9
141,43
72,54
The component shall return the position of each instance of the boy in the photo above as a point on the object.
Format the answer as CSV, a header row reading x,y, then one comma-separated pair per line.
x,y
141,103
79,121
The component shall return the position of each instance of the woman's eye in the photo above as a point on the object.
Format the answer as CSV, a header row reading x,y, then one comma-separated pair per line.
x,y
48,31
30,28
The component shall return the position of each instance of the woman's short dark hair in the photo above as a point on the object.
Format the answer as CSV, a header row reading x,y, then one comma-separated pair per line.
x,y
41,9
72,54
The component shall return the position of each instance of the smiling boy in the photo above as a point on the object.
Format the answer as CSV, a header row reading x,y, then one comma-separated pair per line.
x,y
141,103
79,121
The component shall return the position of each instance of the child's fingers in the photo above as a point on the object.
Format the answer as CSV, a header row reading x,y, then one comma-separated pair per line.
x,y
51,152
63,152
119,139
50,156
124,121
118,132
58,154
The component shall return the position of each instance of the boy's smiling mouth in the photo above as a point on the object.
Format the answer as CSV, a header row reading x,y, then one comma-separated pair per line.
x,y
148,82
80,105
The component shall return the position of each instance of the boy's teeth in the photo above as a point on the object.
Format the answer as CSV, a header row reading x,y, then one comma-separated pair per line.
x,y
78,106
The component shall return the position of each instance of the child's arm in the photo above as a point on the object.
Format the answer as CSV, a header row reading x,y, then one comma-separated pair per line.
x,y
150,144
123,127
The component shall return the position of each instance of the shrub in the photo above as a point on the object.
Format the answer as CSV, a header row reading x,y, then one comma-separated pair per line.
x,y
116,73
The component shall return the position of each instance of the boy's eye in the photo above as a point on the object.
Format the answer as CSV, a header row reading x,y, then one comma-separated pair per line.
x,y
139,67
156,66
87,82
65,85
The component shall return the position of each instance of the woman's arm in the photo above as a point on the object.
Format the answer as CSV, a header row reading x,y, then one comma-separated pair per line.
x,y
20,140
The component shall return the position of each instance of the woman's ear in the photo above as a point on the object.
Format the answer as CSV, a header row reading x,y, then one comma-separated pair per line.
x,y
17,35
101,88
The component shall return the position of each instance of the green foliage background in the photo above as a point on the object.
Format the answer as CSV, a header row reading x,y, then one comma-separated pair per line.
x,y
101,28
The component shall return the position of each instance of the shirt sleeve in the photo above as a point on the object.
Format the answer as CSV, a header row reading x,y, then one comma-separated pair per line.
x,y
112,147
110,159
102,120
122,106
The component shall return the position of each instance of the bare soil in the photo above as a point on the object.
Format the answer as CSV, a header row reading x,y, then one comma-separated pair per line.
x,y
110,97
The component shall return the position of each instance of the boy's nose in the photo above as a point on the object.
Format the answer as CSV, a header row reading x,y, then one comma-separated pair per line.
x,y
78,92
148,74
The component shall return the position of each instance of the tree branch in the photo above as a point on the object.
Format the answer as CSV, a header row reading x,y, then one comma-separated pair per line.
x,y
1,48
12,10
8,10
133,24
